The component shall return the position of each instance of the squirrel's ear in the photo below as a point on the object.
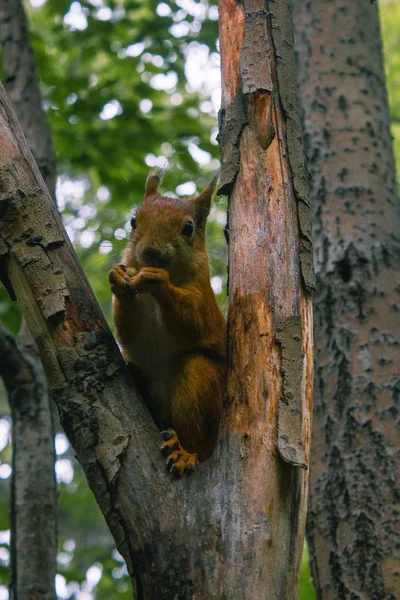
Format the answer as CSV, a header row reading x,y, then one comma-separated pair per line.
x,y
153,181
202,203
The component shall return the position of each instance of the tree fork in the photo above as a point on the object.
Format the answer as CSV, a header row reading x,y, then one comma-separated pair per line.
x,y
235,529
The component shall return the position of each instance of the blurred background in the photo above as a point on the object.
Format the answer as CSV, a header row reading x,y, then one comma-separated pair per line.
x,y
128,85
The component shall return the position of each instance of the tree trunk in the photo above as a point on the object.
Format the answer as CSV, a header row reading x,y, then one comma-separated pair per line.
x,y
22,84
235,528
33,506
353,526
270,280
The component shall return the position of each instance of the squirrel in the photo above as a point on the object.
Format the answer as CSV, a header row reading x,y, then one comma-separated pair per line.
x,y
168,322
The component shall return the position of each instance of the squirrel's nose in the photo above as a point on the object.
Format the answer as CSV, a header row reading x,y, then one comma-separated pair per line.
x,y
153,256
151,253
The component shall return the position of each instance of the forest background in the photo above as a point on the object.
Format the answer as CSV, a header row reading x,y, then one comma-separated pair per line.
x,y
128,85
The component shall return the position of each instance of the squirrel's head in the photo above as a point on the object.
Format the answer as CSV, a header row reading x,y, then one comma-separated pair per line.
x,y
169,233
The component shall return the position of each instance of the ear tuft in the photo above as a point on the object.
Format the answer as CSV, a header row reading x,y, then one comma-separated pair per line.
x,y
153,181
202,203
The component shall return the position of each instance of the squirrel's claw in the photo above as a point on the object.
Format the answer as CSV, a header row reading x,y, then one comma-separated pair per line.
x,y
171,442
120,282
172,460
169,446
179,460
150,279
168,434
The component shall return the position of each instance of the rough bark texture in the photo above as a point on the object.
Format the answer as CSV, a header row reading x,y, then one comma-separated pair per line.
x,y
354,523
83,365
234,530
33,512
263,173
22,84
33,494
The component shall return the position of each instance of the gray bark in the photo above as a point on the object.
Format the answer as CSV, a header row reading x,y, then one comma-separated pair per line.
x,y
353,524
33,491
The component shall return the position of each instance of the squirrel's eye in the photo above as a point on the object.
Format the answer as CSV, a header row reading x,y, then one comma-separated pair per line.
x,y
188,229
133,222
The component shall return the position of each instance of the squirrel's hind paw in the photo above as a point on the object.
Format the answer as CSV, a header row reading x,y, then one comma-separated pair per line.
x,y
179,461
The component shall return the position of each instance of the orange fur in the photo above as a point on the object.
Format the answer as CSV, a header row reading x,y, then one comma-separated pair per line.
x,y
169,324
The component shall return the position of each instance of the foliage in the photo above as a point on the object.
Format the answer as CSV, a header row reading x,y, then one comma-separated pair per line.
x,y
390,24
306,590
114,80
118,102
87,559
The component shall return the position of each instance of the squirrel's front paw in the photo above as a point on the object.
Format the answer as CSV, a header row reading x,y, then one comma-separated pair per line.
x,y
120,281
150,279
179,461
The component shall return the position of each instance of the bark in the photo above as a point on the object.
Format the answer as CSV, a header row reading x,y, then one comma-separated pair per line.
x,y
270,321
33,522
22,84
235,528
353,525
33,507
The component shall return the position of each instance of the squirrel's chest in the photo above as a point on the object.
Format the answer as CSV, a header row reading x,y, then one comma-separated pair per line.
x,y
154,352
154,348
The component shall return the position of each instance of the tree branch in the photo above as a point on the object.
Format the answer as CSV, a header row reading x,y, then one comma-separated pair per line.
x,y
103,417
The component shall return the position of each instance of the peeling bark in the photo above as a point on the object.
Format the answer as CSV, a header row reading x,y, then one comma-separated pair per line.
x,y
353,525
259,43
266,287
234,530
290,434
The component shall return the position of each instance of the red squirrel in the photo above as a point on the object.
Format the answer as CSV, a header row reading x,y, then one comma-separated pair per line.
x,y
169,324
